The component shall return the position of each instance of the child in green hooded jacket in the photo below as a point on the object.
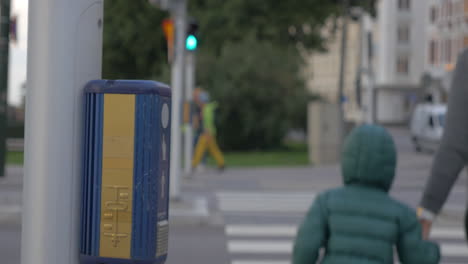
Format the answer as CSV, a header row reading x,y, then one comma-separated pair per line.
x,y
360,223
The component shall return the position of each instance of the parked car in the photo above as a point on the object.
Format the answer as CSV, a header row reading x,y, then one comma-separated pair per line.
x,y
427,126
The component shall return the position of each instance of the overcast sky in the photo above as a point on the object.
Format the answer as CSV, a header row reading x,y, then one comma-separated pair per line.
x,y
18,53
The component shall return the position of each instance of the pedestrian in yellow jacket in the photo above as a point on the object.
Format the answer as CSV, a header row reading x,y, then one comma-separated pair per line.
x,y
207,140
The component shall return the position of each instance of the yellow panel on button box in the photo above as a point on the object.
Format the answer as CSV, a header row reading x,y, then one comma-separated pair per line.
x,y
117,176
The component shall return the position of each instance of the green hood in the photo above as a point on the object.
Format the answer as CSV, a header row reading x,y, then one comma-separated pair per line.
x,y
369,158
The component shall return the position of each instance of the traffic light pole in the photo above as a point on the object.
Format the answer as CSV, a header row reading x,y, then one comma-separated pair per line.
x,y
4,61
64,53
367,65
189,87
344,43
179,12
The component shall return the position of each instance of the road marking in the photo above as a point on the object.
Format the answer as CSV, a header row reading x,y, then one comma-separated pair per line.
x,y
291,230
261,262
277,240
447,233
285,247
288,232
454,249
9,212
261,230
260,247
10,209
265,202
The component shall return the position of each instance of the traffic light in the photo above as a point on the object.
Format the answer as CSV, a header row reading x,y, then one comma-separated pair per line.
x,y
191,41
168,29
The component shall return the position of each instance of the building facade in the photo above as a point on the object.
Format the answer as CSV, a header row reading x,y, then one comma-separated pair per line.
x,y
401,52
400,47
324,68
447,36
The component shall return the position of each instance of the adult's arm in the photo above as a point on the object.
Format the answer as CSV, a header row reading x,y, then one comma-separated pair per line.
x,y
453,152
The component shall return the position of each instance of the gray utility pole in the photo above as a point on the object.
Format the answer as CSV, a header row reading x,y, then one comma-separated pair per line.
x,y
367,67
343,54
365,72
179,13
178,9
4,59
64,53
189,87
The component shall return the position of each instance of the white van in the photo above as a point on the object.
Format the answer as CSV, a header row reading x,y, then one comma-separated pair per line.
x,y
427,126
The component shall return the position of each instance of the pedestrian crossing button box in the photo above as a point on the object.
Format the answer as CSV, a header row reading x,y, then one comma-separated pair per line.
x,y
125,177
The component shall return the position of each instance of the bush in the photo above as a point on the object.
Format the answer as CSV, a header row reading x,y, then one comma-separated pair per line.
x,y
259,91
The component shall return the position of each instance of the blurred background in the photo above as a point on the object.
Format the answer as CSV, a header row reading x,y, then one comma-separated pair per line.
x,y
290,78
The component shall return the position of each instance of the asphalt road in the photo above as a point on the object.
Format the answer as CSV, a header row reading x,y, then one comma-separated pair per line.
x,y
254,213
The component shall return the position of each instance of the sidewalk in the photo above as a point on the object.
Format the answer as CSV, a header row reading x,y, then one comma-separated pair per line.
x,y
197,206
189,210
197,225
191,219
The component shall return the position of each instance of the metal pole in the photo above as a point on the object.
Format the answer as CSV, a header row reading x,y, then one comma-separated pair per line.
x,y
4,63
189,87
177,83
64,53
365,68
343,54
360,65
370,76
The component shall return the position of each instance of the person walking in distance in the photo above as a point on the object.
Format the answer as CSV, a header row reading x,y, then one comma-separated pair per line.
x,y
207,139
197,119
452,155
360,222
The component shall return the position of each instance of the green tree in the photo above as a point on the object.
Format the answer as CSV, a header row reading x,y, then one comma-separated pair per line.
x,y
249,61
257,86
134,44
267,20
247,58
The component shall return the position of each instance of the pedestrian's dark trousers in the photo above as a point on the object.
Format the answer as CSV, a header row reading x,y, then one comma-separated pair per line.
x,y
466,225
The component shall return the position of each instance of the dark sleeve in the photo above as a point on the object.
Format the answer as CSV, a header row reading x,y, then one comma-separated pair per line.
x,y
453,152
312,234
410,246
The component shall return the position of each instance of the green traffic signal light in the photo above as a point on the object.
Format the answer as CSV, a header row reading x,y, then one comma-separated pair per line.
x,y
191,42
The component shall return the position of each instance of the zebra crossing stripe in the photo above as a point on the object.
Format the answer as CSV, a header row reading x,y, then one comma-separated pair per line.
x,y
261,262
285,247
261,231
260,247
454,249
447,233
278,195
288,232
291,230
264,202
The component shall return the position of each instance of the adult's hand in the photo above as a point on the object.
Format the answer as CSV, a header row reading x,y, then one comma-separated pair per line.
x,y
426,226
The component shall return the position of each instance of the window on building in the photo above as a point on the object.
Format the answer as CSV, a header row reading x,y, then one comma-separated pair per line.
x,y
433,14
450,9
456,49
403,34
403,65
433,52
466,7
448,51
404,4
431,122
